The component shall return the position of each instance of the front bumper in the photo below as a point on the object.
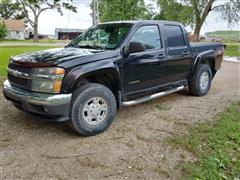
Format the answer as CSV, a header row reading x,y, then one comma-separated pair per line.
x,y
54,106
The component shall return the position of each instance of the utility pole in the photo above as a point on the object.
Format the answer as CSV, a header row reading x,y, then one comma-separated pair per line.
x,y
95,12
98,21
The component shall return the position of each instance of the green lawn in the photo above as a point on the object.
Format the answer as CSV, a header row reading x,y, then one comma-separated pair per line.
x,y
216,146
233,49
7,51
31,41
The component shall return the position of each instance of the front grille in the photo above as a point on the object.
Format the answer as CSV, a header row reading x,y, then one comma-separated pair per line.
x,y
19,68
19,81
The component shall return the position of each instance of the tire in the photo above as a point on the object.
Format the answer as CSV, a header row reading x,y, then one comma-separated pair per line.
x,y
201,81
93,109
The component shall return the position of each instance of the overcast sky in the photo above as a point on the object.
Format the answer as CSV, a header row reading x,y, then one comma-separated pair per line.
x,y
50,20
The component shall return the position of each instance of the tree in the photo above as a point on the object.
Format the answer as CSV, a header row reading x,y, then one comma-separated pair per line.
x,y
37,7
174,11
3,30
228,10
10,10
122,10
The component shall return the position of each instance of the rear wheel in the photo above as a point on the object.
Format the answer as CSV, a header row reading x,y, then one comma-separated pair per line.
x,y
93,109
201,81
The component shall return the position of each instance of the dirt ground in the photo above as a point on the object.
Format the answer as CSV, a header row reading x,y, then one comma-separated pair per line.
x,y
134,147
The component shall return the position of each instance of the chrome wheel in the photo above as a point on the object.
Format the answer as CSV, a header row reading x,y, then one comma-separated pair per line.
x,y
204,80
95,110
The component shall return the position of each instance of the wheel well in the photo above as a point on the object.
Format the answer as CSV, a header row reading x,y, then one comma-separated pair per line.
x,y
211,64
106,78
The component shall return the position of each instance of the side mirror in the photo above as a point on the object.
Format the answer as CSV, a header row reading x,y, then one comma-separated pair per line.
x,y
135,47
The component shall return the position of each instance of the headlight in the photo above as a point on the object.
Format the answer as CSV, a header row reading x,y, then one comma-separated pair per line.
x,y
48,80
49,71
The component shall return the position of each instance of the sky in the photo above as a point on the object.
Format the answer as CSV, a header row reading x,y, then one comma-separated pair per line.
x,y
51,19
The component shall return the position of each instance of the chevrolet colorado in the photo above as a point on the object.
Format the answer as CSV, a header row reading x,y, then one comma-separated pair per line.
x,y
110,65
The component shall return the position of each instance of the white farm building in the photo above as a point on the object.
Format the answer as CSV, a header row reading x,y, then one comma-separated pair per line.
x,y
15,29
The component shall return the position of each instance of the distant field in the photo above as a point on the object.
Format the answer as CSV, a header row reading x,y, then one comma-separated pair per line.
x,y
228,36
7,51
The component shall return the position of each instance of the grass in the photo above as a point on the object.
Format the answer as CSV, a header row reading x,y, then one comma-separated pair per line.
x,y
31,41
233,49
230,38
7,51
216,146
227,36
162,108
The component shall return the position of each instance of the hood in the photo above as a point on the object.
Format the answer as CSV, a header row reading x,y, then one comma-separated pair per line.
x,y
52,56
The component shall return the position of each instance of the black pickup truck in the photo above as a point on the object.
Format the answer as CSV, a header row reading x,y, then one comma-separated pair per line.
x,y
110,65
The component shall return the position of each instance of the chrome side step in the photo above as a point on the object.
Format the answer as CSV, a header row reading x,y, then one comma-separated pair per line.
x,y
153,96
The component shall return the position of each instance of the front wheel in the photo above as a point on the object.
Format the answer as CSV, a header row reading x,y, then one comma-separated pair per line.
x,y
201,81
93,109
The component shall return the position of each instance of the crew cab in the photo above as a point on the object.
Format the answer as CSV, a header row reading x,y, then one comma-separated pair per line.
x,y
111,65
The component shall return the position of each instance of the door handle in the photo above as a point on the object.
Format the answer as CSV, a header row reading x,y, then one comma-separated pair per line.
x,y
160,55
185,52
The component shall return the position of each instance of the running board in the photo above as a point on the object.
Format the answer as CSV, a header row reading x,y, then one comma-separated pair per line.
x,y
153,96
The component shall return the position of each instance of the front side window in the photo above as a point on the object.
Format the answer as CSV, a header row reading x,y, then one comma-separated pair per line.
x,y
105,36
149,36
175,36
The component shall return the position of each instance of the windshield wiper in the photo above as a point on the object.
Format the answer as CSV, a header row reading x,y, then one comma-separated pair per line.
x,y
90,47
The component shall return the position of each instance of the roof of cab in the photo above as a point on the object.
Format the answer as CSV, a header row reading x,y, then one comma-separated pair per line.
x,y
143,22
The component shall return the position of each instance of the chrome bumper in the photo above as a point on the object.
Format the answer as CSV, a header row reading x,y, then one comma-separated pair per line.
x,y
35,98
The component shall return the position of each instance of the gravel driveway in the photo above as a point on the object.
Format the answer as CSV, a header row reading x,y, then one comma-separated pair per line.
x,y
134,147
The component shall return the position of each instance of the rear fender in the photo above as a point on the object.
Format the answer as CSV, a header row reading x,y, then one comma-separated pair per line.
x,y
201,57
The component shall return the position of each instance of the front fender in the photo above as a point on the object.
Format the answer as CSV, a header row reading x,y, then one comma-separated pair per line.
x,y
87,70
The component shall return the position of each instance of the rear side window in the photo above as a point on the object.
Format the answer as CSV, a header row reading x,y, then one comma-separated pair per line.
x,y
149,36
174,36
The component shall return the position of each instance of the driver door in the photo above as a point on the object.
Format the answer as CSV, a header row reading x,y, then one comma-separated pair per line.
x,y
143,71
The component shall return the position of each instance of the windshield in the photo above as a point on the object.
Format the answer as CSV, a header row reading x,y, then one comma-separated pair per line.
x,y
103,36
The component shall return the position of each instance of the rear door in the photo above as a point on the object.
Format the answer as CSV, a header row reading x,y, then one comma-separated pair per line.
x,y
145,70
179,53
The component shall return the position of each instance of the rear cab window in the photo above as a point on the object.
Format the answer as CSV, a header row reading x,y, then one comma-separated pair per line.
x,y
175,37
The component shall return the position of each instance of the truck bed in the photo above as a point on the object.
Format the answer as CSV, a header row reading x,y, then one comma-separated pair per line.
x,y
204,46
